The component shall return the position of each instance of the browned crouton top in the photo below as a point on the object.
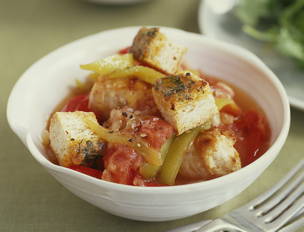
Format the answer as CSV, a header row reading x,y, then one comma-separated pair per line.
x,y
142,40
181,87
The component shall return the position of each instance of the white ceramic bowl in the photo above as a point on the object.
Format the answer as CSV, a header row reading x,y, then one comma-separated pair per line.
x,y
47,82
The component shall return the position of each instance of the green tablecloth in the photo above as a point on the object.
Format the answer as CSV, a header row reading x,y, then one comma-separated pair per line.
x,y
30,199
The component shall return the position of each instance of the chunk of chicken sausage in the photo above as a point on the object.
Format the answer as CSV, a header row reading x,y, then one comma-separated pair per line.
x,y
211,155
108,94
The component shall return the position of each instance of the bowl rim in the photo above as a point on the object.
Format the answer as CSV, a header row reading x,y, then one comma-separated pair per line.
x,y
235,50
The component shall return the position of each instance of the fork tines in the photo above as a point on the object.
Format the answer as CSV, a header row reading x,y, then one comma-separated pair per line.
x,y
274,208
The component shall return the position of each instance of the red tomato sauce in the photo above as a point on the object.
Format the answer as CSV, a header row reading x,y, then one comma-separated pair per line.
x,y
251,128
252,136
77,103
124,51
86,170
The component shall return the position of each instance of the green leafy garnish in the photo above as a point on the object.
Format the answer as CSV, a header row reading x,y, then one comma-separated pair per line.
x,y
280,22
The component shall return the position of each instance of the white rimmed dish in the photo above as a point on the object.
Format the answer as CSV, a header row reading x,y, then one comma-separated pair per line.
x,y
228,28
48,81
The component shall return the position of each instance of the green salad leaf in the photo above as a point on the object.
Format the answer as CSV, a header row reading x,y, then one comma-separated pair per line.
x,y
280,22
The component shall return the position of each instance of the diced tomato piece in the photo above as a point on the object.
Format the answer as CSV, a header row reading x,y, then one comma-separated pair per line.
x,y
155,131
124,51
121,164
77,103
86,170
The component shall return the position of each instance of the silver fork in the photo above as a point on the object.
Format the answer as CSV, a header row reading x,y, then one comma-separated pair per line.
x,y
281,209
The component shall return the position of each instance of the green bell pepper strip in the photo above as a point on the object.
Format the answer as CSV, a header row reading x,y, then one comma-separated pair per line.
x,y
175,155
149,170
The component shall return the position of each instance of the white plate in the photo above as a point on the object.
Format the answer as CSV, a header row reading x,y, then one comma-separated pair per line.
x,y
228,28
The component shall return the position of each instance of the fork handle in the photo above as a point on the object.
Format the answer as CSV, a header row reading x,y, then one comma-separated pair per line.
x,y
220,225
192,227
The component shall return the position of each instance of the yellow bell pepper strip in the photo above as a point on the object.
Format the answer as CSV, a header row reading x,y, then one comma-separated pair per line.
x,y
143,73
83,86
222,102
150,155
93,76
150,170
110,64
175,155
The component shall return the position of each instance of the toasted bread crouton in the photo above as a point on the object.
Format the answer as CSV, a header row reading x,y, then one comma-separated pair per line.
x,y
211,155
70,139
184,102
153,48
108,94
